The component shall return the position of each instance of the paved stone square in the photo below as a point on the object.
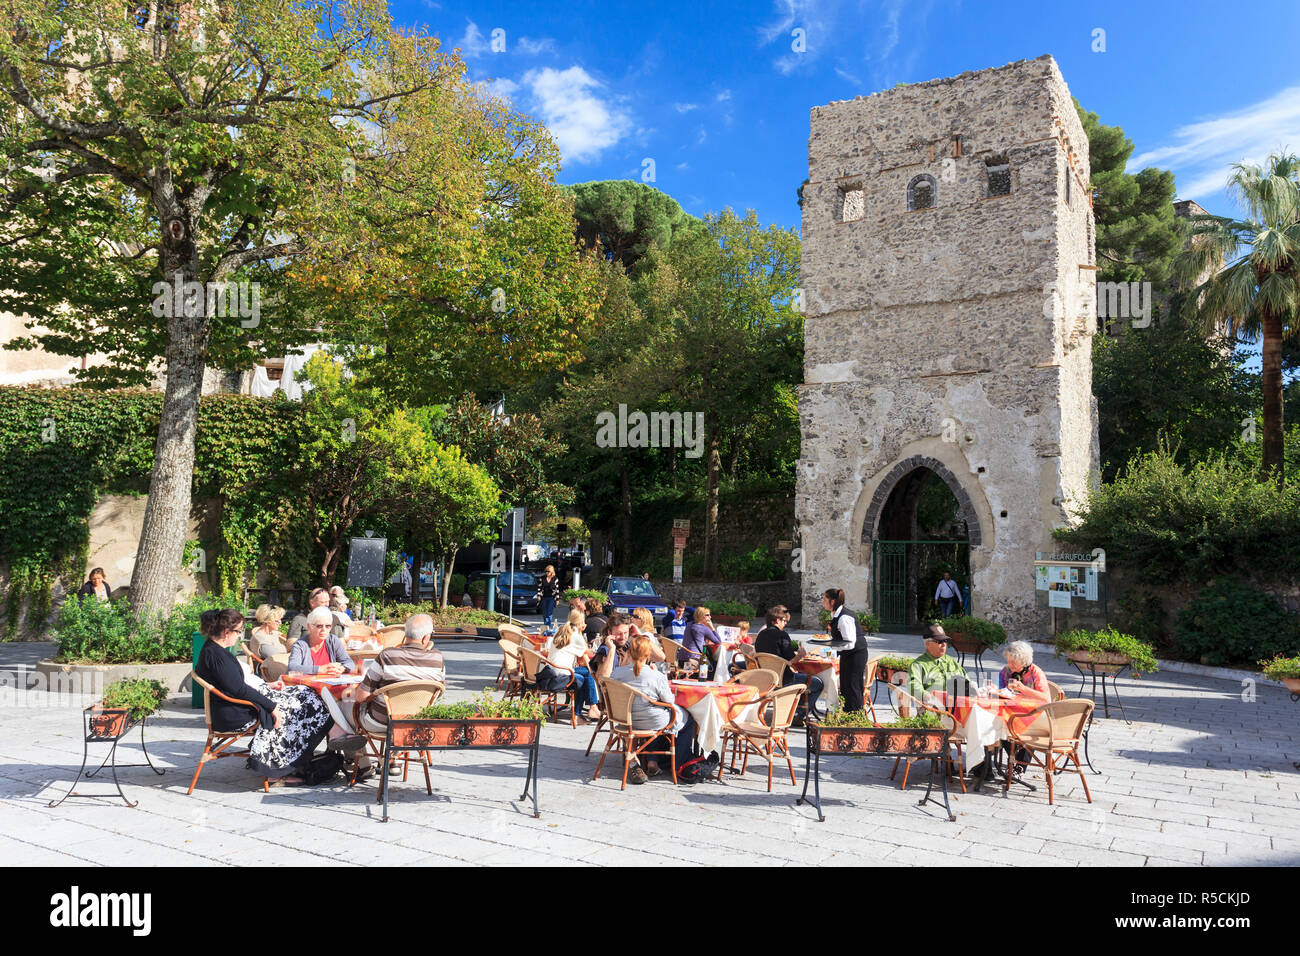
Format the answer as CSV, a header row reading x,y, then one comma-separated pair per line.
x,y
1200,777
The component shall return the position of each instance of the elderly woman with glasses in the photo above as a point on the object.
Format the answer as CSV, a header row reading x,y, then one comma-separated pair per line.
x,y
1021,675
291,721
321,652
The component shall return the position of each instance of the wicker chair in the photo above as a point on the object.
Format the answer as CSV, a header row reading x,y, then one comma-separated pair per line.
x,y
624,737
252,656
511,672
510,632
532,663
403,698
765,680
603,723
360,632
774,663
1055,691
392,635
671,650
761,738
224,740
1048,732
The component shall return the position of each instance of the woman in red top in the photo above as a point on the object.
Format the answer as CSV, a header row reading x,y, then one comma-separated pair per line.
x,y
1021,675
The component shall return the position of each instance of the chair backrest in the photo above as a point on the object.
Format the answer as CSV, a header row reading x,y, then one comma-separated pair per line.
x,y
905,705
784,704
407,697
252,654
760,678
618,697
207,698
671,649
512,633
1067,718
1055,691
870,677
391,635
532,663
772,662
275,668
359,632
510,651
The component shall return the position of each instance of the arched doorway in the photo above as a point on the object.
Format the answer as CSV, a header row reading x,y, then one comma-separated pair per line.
x,y
921,523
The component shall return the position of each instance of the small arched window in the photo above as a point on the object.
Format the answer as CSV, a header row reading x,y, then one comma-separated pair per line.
x,y
922,192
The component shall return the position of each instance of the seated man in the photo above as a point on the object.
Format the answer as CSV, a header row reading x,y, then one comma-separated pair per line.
x,y
775,639
298,626
320,652
935,670
414,659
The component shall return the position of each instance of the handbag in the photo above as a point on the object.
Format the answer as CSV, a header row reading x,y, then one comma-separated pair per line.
x,y
322,768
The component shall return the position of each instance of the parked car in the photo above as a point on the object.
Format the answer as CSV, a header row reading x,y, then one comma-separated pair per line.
x,y
629,593
519,590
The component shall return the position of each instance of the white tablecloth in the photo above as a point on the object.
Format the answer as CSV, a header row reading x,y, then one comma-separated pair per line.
x,y
709,722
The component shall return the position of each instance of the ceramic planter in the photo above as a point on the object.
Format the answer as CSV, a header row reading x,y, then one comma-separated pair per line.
x,y
1293,685
878,741
469,732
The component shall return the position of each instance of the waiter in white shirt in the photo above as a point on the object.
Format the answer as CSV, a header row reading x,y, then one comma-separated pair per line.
x,y
947,594
853,659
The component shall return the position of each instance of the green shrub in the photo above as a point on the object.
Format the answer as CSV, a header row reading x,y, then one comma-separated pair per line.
x,y
486,704
457,587
478,588
870,623
90,631
1282,668
139,695
895,663
1109,641
755,565
588,593
989,633
732,609
1230,622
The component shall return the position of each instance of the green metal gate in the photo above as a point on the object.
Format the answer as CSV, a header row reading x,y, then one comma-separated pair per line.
x,y
894,565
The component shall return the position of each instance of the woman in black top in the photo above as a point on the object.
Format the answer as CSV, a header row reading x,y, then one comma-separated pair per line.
x,y
96,586
291,720
843,626
774,639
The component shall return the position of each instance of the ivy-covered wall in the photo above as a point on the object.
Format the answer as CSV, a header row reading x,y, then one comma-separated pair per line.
x,y
61,449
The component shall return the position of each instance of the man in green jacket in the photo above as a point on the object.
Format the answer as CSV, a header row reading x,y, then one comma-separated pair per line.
x,y
934,670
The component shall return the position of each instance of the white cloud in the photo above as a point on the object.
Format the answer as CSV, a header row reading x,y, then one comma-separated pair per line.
x,y
723,96
530,47
503,88
582,123
891,45
473,43
685,107
1202,152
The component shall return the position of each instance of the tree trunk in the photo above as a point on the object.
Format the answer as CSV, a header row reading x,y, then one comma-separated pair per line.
x,y
711,507
167,513
1271,367
446,580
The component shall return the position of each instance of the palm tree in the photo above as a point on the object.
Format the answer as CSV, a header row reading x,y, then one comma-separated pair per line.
x,y
1245,275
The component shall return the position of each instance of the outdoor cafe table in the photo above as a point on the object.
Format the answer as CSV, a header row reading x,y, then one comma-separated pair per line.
x,y
712,704
338,686
984,721
828,669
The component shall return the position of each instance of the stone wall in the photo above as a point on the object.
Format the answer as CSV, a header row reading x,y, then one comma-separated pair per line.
x,y
955,338
760,520
761,594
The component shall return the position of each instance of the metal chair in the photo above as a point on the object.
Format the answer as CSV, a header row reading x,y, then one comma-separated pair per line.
x,y
1046,733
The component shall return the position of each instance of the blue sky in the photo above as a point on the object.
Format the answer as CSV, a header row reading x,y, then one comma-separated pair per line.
x,y
718,98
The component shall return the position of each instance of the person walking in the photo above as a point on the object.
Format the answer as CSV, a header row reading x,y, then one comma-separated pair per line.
x,y
853,659
948,595
548,592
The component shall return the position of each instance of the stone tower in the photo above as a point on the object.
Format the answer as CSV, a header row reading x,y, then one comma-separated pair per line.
x,y
949,296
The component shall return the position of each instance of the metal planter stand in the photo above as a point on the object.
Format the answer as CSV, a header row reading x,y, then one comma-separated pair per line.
x,y
932,744
91,715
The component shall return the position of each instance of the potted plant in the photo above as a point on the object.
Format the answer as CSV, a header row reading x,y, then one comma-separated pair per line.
x,y
1286,670
731,613
1106,651
869,622
888,667
485,721
125,703
585,593
478,593
972,635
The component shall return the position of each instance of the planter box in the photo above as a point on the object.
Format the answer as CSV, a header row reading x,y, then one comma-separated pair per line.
x,y
896,742
1100,661
886,673
1293,685
965,644
107,723
93,678
407,735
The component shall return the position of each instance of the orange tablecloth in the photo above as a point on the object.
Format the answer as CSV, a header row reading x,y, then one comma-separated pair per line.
x,y
1000,707
727,697
983,723
318,684
815,665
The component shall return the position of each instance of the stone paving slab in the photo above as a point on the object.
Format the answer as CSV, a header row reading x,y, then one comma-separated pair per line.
x,y
1202,775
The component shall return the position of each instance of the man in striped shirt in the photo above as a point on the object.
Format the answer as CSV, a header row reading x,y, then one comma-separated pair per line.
x,y
413,659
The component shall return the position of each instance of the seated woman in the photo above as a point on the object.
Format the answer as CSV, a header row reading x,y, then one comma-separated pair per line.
x,y
699,635
265,639
291,720
643,622
320,652
647,717
774,639
568,649
1022,675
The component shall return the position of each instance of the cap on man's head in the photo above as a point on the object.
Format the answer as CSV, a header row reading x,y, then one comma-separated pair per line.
x,y
935,632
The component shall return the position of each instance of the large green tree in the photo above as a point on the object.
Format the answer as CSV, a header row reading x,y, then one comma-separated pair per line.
x,y
348,167
1245,275
624,219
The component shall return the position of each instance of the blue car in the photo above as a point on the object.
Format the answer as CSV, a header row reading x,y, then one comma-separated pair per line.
x,y
520,592
627,594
